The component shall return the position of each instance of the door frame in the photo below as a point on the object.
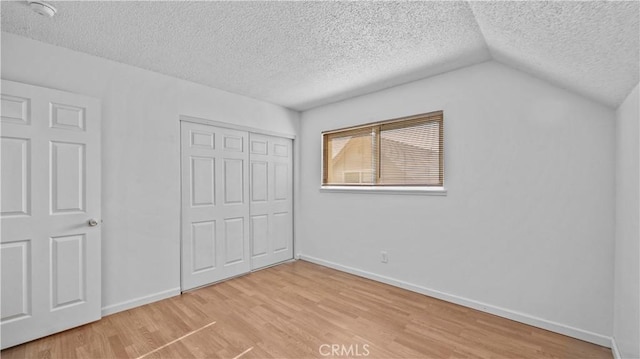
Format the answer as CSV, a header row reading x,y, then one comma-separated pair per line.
x,y
294,157
233,126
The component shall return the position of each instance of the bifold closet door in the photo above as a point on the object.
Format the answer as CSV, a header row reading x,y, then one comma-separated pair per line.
x,y
215,206
271,182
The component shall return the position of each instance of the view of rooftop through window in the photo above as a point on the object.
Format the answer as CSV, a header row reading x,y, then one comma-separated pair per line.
x,y
404,152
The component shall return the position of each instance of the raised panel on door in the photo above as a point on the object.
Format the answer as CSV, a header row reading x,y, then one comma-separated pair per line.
x,y
234,182
202,139
51,260
14,177
259,146
16,280
281,150
14,109
203,242
68,267
233,142
215,211
259,183
233,240
282,225
68,174
202,181
281,181
259,235
271,200
67,117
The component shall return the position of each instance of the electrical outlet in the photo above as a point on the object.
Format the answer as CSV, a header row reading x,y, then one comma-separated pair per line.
x,y
384,258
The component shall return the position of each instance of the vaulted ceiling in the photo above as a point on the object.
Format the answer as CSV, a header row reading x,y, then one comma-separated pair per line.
x,y
305,54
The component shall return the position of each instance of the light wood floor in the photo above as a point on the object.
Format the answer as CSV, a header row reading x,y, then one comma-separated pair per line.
x,y
290,311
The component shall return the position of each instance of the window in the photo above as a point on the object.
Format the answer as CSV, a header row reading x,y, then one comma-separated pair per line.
x,y
401,152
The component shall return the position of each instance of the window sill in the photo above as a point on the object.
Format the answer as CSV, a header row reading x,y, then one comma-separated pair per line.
x,y
426,191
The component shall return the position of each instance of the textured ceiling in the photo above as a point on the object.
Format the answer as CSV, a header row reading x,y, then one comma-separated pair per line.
x,y
304,54
589,47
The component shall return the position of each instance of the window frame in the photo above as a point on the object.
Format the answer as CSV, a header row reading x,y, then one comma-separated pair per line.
x,y
381,188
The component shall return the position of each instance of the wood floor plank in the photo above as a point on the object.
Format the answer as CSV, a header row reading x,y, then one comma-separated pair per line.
x,y
302,310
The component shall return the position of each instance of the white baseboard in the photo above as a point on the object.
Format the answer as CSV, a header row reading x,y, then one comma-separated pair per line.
x,y
577,333
136,302
614,349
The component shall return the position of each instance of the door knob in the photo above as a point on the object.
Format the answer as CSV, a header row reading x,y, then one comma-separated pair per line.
x,y
93,222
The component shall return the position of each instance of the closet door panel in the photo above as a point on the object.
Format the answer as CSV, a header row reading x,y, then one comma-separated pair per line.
x,y
215,206
271,200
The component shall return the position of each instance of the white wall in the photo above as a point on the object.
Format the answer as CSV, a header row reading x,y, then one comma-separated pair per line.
x,y
141,156
626,324
525,230
527,227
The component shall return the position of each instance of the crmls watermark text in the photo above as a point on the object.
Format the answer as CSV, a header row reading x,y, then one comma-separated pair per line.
x,y
343,350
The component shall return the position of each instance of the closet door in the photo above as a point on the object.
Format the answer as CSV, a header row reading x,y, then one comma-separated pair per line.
x,y
215,206
271,200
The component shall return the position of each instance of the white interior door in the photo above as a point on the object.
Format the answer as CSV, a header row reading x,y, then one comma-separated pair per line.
x,y
215,207
271,200
50,180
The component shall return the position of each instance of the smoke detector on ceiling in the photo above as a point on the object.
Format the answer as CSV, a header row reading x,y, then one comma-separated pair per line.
x,y
42,8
